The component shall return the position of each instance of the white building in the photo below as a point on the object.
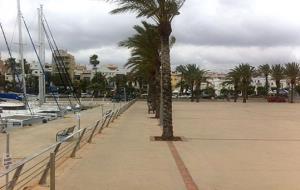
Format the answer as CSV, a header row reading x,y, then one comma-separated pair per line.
x,y
111,70
216,80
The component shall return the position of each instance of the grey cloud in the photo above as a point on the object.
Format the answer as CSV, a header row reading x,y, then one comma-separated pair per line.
x,y
216,34
221,58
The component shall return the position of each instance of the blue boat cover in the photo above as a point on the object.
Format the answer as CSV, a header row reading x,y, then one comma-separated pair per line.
x,y
10,96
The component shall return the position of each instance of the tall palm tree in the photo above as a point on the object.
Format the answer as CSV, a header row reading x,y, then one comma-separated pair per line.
x,y
145,50
163,13
190,76
277,73
193,76
199,78
234,78
94,61
246,73
292,71
266,71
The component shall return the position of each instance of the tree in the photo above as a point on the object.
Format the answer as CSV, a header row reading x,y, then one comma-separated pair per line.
x,y
94,61
233,78
145,59
83,85
193,76
246,73
292,71
163,13
266,71
98,84
277,73
11,63
199,78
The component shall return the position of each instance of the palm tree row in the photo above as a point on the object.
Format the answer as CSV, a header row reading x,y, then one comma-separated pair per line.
x,y
145,60
241,76
162,12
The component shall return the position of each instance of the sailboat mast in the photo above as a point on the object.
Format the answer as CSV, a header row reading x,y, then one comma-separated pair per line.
x,y
21,46
42,56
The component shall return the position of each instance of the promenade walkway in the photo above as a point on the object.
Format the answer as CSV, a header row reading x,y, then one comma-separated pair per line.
x,y
228,147
124,158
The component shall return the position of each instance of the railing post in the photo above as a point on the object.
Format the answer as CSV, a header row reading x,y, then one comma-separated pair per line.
x,y
15,178
103,123
52,171
92,134
109,119
115,115
73,154
45,173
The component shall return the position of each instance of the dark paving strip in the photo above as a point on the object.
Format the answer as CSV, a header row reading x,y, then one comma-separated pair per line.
x,y
185,174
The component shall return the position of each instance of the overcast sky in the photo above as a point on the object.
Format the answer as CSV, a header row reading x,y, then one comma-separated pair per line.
x,y
215,34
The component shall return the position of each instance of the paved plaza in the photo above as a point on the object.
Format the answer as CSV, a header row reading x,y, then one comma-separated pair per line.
x,y
228,146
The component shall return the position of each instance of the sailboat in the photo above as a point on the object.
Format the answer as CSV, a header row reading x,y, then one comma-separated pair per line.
x,y
9,112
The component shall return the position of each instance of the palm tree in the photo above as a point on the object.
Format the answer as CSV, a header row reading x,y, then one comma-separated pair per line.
x,y
199,78
163,13
266,71
277,73
97,84
246,73
234,78
94,61
292,71
145,59
190,76
193,76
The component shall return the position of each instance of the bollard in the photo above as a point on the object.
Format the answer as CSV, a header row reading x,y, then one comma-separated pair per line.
x,y
52,171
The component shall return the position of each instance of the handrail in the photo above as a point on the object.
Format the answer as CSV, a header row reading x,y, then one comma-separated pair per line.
x,y
37,154
85,135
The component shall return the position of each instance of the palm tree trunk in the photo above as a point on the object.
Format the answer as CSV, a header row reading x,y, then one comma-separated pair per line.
x,y
292,93
140,87
152,93
197,92
192,92
235,94
166,83
157,99
267,85
181,86
244,95
277,87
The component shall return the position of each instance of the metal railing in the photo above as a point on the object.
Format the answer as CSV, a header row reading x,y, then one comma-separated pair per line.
x,y
35,169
